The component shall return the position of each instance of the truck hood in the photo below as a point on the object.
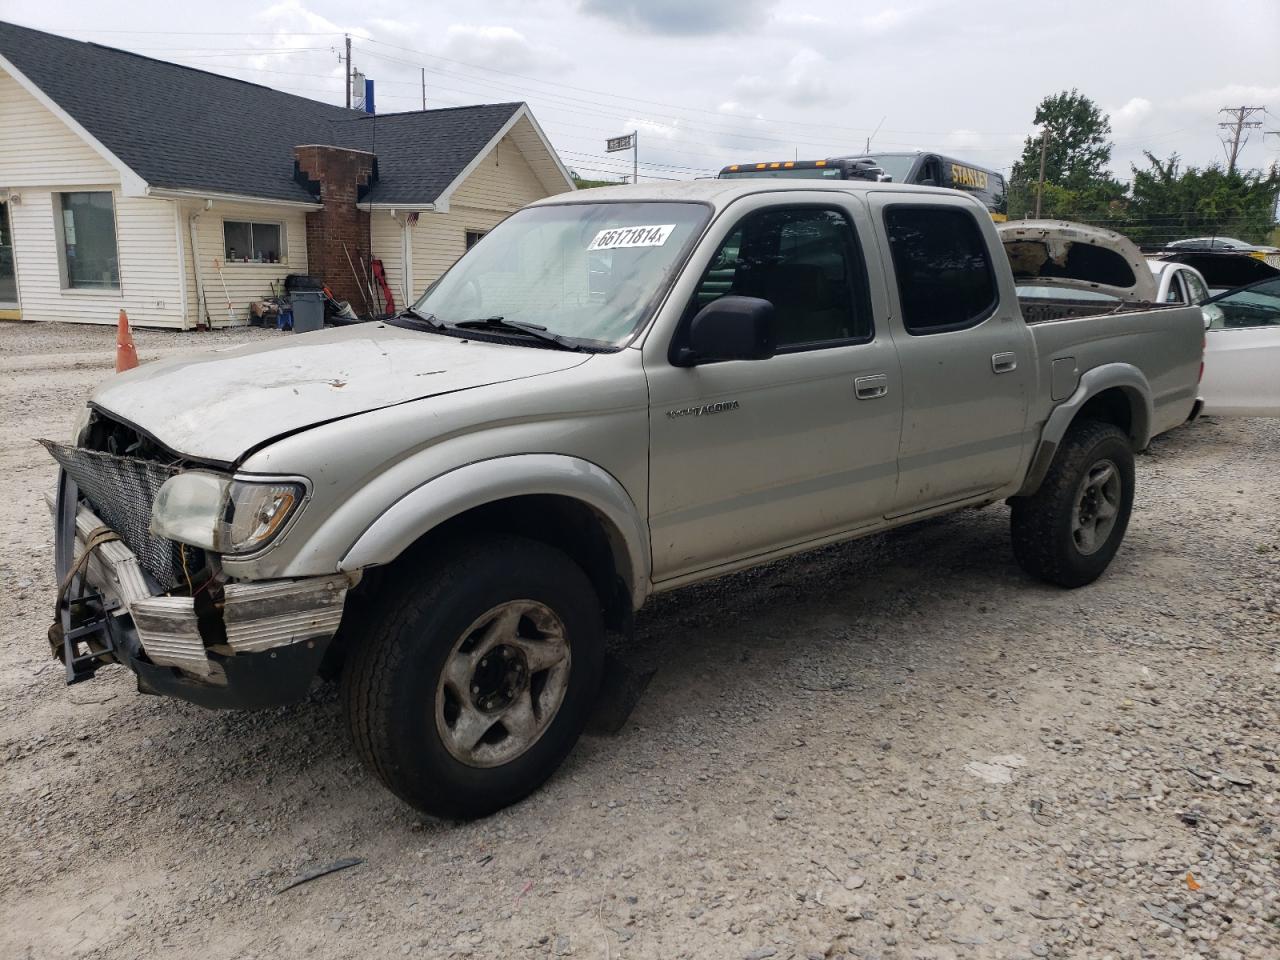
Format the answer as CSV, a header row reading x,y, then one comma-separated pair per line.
x,y
219,406
1075,256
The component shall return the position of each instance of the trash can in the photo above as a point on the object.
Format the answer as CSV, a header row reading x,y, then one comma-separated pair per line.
x,y
308,310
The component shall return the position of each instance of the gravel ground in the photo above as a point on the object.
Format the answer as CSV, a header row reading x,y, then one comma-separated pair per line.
x,y
897,748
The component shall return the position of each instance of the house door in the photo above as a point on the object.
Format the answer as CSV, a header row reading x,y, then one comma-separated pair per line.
x,y
8,273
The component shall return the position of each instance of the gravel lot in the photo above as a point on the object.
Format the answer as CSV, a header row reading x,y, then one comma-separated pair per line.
x,y
896,748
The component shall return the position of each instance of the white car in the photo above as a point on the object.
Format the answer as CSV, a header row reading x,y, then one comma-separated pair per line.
x,y
1242,352
1178,283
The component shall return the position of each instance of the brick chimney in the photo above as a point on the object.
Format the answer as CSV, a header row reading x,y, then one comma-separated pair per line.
x,y
337,175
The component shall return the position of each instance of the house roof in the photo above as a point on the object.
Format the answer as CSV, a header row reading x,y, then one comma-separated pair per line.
x,y
421,153
181,128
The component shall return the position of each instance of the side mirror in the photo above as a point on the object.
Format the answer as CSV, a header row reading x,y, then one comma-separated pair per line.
x,y
731,328
1212,313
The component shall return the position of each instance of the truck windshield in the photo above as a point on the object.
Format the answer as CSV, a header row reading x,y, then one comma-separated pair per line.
x,y
590,272
896,165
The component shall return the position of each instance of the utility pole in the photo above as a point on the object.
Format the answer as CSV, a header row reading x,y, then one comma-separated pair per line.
x,y
424,88
867,148
1044,146
348,36
1242,119
635,157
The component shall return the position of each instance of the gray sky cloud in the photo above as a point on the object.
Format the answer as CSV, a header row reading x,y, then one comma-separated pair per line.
x,y
680,17
714,83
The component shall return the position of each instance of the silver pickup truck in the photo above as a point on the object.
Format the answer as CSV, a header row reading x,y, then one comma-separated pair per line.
x,y
615,393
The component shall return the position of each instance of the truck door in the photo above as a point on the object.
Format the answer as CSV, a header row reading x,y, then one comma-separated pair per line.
x,y
968,369
747,457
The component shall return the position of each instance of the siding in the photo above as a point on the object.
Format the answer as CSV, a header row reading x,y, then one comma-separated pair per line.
x,y
38,150
502,181
501,184
244,281
40,156
386,244
150,288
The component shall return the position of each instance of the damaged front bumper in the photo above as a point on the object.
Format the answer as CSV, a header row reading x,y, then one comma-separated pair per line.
x,y
235,645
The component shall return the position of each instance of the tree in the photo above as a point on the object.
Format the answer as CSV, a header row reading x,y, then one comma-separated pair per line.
x,y
1172,204
1076,158
583,183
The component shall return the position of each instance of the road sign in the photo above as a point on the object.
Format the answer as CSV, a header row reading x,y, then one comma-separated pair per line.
x,y
614,144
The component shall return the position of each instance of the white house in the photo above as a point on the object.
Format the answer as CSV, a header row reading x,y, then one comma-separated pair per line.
x,y
170,192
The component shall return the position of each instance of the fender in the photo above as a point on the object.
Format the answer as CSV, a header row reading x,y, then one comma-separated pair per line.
x,y
1124,376
475,484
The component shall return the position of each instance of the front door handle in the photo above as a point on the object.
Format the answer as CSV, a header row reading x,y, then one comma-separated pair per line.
x,y
869,388
1004,362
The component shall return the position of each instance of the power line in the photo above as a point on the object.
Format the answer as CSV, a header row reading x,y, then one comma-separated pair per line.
x,y
595,93
556,101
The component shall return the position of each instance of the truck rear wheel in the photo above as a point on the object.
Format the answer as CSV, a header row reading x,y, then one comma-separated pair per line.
x,y
1067,531
476,676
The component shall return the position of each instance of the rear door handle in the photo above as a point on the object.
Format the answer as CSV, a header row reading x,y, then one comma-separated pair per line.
x,y
869,388
1004,362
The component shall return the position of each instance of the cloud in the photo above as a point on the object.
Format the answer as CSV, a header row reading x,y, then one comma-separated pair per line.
x,y
1128,119
681,17
288,18
502,47
806,80
964,140
886,21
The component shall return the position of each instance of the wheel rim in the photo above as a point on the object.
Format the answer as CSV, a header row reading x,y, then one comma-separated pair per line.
x,y
502,683
1097,507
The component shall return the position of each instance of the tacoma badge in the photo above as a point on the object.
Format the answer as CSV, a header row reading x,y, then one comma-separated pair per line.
x,y
703,411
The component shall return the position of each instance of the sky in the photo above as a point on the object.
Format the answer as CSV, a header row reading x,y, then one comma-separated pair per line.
x,y
712,82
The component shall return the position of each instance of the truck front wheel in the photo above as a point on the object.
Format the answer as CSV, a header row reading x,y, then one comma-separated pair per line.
x,y
476,676
1067,531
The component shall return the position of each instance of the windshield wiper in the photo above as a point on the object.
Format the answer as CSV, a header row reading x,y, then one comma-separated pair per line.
x,y
518,326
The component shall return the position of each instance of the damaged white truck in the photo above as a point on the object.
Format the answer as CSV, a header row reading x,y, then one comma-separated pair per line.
x,y
615,393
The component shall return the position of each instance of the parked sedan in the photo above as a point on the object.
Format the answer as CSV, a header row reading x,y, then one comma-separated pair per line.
x,y
1242,352
1229,244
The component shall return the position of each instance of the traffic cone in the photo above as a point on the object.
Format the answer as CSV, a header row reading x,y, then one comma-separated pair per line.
x,y
126,354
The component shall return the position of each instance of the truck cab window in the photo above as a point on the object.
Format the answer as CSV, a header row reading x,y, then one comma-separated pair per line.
x,y
943,269
803,260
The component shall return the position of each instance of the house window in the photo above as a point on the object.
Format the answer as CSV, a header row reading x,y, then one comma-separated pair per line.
x,y
86,229
473,237
253,242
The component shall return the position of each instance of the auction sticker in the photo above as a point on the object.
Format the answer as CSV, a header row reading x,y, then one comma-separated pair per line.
x,y
652,235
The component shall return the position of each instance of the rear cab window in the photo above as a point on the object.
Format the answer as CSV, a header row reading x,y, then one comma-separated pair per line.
x,y
942,266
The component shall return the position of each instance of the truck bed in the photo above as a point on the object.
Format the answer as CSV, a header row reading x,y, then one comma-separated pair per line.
x,y
1042,309
1165,343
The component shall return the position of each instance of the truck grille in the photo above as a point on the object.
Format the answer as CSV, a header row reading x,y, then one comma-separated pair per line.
x,y
121,491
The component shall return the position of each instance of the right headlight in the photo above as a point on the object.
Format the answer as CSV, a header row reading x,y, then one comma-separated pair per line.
x,y
256,512
225,515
